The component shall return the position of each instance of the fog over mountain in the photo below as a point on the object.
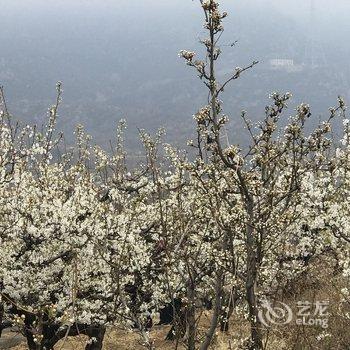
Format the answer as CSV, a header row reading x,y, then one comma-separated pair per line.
x,y
119,59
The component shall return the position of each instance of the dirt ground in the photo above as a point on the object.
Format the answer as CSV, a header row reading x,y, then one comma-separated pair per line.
x,y
321,283
119,340
114,340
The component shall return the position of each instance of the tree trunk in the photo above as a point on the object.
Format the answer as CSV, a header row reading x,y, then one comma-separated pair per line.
x,y
1,317
48,342
51,335
251,281
98,333
217,311
30,341
229,303
175,315
191,317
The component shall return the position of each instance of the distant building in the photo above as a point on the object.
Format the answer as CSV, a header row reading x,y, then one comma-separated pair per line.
x,y
281,63
285,64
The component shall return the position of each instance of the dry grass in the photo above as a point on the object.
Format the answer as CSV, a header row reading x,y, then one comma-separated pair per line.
x,y
320,283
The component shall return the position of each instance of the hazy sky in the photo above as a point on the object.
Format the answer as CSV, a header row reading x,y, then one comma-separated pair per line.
x,y
120,57
295,8
291,4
